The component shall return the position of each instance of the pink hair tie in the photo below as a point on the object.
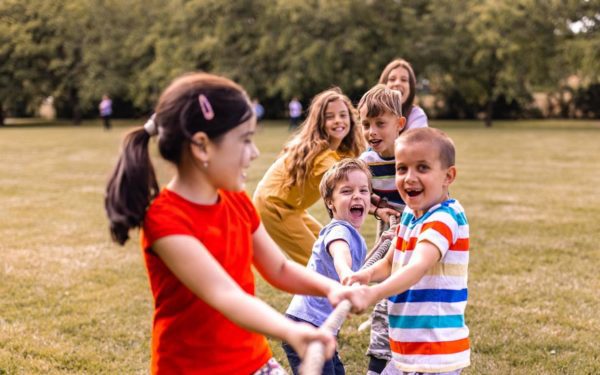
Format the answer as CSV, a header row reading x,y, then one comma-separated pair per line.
x,y
207,110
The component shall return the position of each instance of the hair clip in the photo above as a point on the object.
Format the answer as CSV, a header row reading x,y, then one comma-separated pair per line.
x,y
207,110
150,126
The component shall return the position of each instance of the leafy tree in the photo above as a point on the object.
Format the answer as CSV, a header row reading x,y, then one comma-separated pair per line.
x,y
580,29
495,49
475,53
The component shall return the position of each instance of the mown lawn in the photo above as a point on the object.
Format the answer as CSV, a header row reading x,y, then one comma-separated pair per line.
x,y
72,302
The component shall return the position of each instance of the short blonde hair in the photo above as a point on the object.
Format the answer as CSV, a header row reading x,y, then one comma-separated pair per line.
x,y
437,139
381,99
339,172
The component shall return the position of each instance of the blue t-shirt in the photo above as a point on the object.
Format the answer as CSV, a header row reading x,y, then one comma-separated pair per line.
x,y
316,309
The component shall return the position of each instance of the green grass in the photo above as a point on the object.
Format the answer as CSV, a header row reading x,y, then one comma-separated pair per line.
x,y
73,302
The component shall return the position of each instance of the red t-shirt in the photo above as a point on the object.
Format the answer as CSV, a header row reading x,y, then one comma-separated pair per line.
x,y
189,336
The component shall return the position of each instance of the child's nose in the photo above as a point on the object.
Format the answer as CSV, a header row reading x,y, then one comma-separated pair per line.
x,y
255,151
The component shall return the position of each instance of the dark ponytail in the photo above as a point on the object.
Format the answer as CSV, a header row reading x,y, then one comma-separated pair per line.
x,y
131,187
178,116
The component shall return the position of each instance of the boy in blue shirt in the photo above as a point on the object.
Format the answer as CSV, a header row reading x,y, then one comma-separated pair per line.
x,y
340,250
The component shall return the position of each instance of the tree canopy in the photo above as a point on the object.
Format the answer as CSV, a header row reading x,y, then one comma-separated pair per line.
x,y
472,52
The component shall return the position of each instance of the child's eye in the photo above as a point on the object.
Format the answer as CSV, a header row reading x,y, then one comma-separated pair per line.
x,y
423,168
401,170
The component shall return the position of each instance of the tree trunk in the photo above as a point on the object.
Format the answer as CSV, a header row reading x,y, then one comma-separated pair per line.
x,y
1,115
491,85
74,101
489,110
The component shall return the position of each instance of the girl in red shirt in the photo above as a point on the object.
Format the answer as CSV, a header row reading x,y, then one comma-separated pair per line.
x,y
201,235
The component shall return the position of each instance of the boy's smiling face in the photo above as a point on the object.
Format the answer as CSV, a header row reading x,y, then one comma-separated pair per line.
x,y
421,178
351,199
381,131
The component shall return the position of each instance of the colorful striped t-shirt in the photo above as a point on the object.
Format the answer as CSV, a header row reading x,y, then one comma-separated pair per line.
x,y
427,322
384,177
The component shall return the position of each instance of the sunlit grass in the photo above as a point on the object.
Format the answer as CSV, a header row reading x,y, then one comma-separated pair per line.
x,y
73,302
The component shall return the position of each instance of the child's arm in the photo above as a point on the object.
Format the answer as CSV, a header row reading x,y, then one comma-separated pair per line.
x,y
291,277
424,257
197,269
379,271
342,259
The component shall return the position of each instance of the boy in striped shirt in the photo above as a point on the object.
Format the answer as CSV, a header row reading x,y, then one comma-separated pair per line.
x,y
425,277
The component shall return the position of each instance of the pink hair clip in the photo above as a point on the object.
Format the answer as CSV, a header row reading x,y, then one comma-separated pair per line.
x,y
207,110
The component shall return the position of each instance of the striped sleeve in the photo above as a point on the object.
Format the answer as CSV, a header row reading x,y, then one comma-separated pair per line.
x,y
441,230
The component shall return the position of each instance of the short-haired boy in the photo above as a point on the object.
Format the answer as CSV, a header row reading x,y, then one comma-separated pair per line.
x,y
380,111
340,250
425,277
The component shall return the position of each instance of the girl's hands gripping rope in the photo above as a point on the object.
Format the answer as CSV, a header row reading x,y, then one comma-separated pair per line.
x,y
300,335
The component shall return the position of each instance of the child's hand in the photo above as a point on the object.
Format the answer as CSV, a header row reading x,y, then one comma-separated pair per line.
x,y
300,335
384,213
360,277
345,278
359,296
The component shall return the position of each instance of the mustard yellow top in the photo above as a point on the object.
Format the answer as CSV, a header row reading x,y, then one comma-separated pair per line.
x,y
270,188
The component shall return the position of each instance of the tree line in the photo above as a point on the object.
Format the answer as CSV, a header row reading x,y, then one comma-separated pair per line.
x,y
473,54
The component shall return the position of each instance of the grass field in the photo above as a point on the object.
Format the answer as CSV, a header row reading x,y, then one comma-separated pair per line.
x,y
74,303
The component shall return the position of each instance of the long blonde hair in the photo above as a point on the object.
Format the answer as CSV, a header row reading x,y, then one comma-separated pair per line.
x,y
300,152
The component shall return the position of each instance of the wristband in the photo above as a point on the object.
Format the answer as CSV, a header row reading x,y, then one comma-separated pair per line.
x,y
375,213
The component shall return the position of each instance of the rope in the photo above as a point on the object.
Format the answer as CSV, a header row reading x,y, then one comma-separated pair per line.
x,y
315,353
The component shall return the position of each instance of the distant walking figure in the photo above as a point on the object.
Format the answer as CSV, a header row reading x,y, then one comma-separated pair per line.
x,y
105,108
295,108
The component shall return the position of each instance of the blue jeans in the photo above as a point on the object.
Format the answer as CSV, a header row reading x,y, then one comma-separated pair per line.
x,y
333,366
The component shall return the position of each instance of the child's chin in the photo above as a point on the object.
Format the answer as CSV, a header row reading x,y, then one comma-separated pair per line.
x,y
358,222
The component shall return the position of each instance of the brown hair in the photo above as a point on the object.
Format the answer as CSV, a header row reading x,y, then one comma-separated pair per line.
x,y
312,138
412,82
436,138
339,172
178,116
381,99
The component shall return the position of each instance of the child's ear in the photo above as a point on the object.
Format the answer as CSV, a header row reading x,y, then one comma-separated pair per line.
x,y
329,204
200,146
450,175
401,123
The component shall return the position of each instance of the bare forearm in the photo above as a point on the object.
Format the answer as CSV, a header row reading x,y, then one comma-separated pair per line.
x,y
399,282
380,270
251,313
293,278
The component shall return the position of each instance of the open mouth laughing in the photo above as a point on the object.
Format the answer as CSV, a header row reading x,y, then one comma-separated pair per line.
x,y
357,210
413,192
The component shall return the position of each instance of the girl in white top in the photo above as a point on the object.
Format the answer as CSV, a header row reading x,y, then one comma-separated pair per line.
x,y
399,75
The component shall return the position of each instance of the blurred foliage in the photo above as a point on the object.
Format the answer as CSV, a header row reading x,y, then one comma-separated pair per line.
x,y
475,54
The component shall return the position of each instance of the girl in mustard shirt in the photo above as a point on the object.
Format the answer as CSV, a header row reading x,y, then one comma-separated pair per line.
x,y
329,134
